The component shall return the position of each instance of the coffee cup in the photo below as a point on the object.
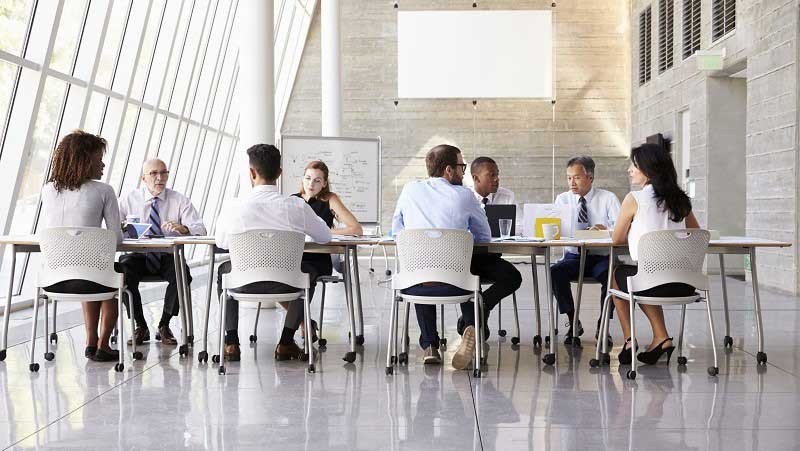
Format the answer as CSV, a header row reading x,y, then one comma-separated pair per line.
x,y
549,231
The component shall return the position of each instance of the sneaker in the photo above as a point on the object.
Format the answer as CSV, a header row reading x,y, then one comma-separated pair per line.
x,y
486,331
432,356
466,349
570,333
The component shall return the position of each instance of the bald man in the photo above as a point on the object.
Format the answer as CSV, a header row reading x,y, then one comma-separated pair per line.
x,y
169,213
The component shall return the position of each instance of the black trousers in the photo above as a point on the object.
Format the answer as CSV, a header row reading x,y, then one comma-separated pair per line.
x,y
567,270
492,267
135,269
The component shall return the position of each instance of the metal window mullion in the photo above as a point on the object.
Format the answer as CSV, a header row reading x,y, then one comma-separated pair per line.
x,y
172,91
294,68
74,61
186,100
66,78
19,61
93,75
26,155
228,169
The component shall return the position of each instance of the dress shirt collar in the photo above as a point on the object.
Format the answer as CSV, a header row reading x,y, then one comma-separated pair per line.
x,y
588,196
148,196
265,188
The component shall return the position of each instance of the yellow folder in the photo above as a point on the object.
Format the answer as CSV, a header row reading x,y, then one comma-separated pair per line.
x,y
541,221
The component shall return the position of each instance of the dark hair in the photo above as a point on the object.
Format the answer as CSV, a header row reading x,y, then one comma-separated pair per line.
x,y
583,160
325,192
480,161
72,160
656,164
439,158
266,160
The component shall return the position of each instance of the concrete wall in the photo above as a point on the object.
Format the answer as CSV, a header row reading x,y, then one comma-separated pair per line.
x,y
592,110
765,44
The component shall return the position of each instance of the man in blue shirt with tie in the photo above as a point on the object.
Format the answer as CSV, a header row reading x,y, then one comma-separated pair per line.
x,y
443,202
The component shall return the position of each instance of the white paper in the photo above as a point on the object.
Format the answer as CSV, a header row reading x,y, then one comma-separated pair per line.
x,y
533,211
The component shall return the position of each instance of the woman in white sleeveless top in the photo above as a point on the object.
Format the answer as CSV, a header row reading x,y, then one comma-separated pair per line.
x,y
660,205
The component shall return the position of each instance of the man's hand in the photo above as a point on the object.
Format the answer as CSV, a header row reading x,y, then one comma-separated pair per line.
x,y
598,227
174,227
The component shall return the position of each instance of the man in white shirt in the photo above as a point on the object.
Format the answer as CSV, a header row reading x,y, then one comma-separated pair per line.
x,y
486,183
443,202
169,213
594,209
265,208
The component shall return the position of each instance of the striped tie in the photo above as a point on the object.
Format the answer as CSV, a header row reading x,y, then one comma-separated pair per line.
x,y
583,214
153,259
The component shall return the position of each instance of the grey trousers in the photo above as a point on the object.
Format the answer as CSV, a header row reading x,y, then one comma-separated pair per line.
x,y
295,313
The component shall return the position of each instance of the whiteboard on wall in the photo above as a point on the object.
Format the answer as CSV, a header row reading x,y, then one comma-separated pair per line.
x,y
354,165
475,54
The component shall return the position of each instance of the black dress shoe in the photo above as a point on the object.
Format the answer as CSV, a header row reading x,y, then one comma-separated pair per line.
x,y
572,334
141,334
652,356
106,356
89,352
624,356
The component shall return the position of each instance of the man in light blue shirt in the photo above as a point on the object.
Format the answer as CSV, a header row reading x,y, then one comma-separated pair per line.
x,y
442,202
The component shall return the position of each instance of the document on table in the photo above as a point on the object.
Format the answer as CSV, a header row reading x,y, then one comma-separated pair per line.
x,y
518,239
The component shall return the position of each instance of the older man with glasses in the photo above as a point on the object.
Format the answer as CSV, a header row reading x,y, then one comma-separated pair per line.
x,y
169,213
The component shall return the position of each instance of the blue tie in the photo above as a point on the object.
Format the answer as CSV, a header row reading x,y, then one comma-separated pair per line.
x,y
153,259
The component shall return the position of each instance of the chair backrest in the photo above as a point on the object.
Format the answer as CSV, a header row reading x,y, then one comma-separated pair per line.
x,y
267,255
668,256
434,255
83,253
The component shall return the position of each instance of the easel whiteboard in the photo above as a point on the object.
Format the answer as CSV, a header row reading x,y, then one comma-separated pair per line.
x,y
354,164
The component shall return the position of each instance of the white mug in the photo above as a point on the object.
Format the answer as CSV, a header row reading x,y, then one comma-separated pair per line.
x,y
549,231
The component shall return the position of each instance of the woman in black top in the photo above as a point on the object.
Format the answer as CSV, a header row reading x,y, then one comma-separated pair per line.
x,y
315,190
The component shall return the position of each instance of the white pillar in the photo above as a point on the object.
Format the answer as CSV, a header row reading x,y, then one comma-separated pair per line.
x,y
331,69
256,91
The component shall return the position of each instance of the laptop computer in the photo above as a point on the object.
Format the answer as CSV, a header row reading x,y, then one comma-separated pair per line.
x,y
494,213
136,230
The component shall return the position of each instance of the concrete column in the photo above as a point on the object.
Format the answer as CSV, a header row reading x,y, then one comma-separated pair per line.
x,y
331,69
256,94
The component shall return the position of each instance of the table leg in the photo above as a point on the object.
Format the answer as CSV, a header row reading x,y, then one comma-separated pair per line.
x,y
209,287
350,356
576,341
550,358
537,339
9,294
187,297
761,356
357,290
727,341
183,349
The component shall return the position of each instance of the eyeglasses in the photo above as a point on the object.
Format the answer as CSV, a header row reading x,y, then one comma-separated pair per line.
x,y
154,174
463,166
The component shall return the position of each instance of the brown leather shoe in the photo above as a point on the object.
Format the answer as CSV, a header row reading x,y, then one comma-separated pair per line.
x,y
167,338
233,353
141,334
289,352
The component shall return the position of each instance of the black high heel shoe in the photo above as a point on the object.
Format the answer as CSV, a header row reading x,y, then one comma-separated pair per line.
x,y
652,356
624,356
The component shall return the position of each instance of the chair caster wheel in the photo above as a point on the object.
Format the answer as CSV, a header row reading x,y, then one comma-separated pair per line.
x,y
2,355
222,369
727,342
537,341
311,368
215,358
54,338
761,358
476,373
402,358
359,340
713,371
547,339
113,339
119,367
502,332
389,370
202,356
682,360
631,374
138,355
183,350
388,272
253,338
443,342
605,358
594,363
323,342
34,367
49,356
349,357
549,359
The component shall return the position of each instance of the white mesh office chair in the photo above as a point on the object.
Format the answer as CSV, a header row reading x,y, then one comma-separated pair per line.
x,y
666,256
265,256
434,255
77,253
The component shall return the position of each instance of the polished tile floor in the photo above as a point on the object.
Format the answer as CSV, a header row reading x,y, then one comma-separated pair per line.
x,y
168,402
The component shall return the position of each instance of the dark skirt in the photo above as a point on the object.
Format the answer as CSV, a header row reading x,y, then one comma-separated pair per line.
x,y
668,290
